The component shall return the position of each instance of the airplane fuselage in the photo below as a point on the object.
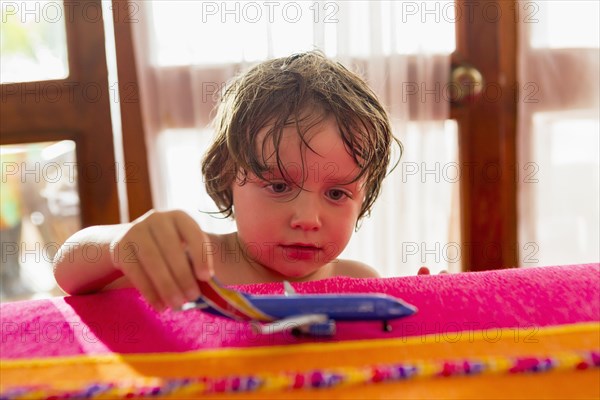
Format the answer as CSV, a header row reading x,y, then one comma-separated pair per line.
x,y
339,307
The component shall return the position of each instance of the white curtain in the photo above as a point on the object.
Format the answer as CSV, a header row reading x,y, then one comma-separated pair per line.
x,y
558,132
187,50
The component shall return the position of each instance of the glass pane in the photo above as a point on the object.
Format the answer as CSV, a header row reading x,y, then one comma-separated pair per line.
x,y
562,24
253,31
33,43
39,205
563,186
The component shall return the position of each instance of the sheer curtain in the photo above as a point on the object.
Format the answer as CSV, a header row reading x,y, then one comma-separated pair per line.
x,y
187,50
558,133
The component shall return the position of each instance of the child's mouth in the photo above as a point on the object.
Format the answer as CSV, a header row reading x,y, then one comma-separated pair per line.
x,y
301,246
300,251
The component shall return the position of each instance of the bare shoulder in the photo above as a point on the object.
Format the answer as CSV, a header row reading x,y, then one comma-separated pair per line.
x,y
354,269
221,239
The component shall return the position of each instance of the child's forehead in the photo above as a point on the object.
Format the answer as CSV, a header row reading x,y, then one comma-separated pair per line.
x,y
320,152
319,136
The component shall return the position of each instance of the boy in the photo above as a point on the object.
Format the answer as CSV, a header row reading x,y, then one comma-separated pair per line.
x,y
301,150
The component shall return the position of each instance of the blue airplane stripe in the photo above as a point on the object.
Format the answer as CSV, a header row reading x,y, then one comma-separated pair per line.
x,y
336,307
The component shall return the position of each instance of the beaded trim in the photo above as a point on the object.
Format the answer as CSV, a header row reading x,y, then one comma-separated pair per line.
x,y
313,379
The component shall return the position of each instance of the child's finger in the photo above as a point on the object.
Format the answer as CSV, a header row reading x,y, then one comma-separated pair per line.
x,y
423,271
134,271
168,240
199,247
155,267
140,280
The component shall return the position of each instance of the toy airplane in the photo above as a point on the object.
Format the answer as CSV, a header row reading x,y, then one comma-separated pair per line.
x,y
310,314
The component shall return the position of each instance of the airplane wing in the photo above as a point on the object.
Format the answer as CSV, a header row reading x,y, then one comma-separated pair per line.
x,y
299,324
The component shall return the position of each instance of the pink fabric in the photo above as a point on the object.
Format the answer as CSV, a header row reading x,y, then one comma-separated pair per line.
x,y
120,321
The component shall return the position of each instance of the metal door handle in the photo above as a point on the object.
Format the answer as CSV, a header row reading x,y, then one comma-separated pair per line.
x,y
466,83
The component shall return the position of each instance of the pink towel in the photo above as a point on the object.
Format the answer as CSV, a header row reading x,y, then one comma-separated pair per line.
x,y
121,321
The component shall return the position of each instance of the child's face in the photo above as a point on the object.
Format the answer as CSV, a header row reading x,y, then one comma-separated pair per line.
x,y
293,232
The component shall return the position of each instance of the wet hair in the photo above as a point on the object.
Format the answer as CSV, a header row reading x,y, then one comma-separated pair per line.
x,y
300,90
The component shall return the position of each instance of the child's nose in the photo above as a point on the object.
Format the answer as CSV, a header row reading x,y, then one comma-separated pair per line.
x,y
306,215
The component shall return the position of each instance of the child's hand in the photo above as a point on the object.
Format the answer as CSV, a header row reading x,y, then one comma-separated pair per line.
x,y
425,271
161,253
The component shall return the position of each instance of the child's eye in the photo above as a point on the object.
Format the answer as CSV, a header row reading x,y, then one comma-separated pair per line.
x,y
337,194
278,187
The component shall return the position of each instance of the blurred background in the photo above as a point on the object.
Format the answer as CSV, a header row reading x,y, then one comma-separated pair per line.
x,y
106,109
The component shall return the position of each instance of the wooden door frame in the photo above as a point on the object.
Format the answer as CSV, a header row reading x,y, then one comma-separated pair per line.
x,y
487,126
137,175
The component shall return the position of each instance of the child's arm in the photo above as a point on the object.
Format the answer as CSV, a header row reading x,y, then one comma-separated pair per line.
x,y
161,254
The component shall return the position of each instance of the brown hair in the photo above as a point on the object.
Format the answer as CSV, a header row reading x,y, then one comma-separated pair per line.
x,y
280,92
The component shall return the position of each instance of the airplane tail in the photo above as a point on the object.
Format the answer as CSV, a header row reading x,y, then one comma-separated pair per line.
x,y
231,303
